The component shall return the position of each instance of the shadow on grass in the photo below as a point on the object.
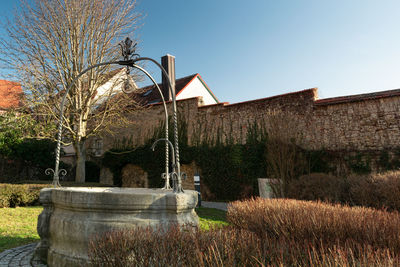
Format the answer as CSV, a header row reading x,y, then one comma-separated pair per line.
x,y
7,242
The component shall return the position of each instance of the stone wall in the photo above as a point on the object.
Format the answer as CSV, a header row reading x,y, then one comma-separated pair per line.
x,y
368,124
352,123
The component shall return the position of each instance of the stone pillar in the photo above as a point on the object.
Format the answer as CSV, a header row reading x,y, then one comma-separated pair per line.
x,y
265,187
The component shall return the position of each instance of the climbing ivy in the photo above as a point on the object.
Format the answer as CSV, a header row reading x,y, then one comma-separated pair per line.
x,y
226,169
230,170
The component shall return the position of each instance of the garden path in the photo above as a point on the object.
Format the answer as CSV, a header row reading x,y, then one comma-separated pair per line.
x,y
215,205
20,256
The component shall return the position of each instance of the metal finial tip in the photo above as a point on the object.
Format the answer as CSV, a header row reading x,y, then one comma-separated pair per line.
x,y
128,42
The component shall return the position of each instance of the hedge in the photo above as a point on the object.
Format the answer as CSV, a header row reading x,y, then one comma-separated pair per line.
x,y
14,195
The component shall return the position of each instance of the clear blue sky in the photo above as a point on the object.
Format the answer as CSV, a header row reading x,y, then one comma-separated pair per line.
x,y
252,49
258,48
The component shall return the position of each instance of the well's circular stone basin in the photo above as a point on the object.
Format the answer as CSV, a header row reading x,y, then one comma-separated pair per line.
x,y
74,215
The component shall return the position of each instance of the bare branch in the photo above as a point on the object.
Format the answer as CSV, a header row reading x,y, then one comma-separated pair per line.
x,y
50,42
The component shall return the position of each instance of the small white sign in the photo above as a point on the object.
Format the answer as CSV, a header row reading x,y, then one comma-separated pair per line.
x,y
197,178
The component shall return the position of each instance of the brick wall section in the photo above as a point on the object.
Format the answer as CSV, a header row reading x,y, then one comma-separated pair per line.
x,y
363,122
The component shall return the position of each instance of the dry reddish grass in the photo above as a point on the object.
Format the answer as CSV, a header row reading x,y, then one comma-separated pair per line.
x,y
226,247
175,247
316,222
277,232
291,253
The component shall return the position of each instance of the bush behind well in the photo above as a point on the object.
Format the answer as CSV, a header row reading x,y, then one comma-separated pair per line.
x,y
373,190
27,194
14,195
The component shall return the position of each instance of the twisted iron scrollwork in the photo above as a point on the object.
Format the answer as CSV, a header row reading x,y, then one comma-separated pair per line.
x,y
166,175
56,179
176,181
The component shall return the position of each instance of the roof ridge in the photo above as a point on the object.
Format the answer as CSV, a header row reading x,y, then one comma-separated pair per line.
x,y
314,89
358,97
159,84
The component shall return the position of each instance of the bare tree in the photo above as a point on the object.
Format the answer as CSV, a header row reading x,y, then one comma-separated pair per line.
x,y
50,42
284,156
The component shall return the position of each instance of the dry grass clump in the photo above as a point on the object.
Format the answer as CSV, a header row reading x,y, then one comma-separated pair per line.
x,y
317,223
284,252
226,247
175,247
263,232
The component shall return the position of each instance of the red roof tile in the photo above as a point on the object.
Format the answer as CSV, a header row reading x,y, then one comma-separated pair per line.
x,y
10,94
150,94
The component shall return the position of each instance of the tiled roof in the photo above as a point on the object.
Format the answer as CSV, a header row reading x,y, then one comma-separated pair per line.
x,y
150,94
10,94
360,97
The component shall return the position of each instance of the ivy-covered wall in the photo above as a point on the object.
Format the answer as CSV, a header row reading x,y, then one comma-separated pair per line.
x,y
353,134
229,171
351,123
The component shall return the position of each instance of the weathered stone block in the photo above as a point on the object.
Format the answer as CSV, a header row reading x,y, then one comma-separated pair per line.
x,y
265,187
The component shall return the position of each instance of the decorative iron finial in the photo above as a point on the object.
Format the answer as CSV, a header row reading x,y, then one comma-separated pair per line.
x,y
57,175
128,51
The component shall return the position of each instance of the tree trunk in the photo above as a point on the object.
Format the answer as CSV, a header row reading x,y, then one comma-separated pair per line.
x,y
80,149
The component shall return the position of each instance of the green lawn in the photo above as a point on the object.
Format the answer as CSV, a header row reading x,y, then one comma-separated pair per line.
x,y
211,218
18,225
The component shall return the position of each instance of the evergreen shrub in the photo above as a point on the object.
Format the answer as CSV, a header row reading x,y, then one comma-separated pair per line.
x,y
34,154
15,195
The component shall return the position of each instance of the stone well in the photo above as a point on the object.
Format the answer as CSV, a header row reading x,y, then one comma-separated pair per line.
x,y
72,216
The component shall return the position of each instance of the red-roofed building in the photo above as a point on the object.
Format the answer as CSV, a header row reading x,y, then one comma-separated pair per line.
x,y
10,95
185,87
